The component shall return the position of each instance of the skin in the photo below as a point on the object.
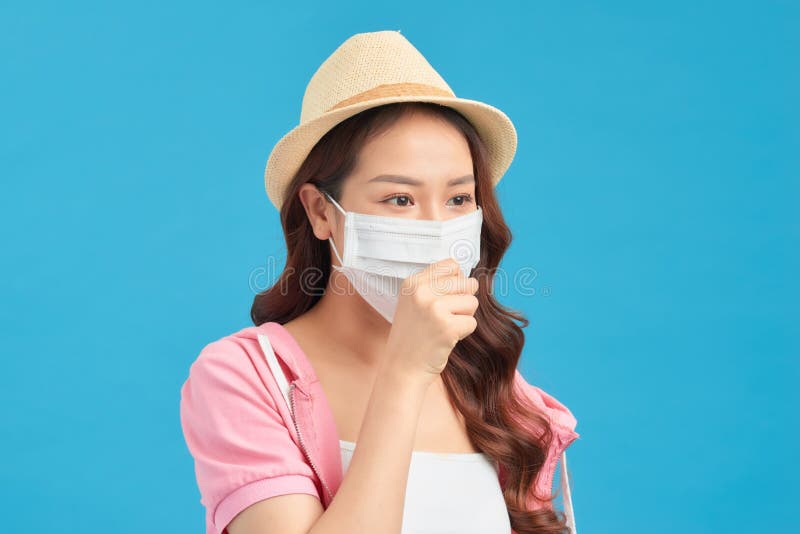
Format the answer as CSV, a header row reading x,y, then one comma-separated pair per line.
x,y
349,356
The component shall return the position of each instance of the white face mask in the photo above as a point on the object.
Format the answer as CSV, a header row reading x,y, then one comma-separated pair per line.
x,y
380,252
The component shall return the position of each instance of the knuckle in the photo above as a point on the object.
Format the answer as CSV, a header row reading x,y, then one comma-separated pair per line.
x,y
421,294
436,307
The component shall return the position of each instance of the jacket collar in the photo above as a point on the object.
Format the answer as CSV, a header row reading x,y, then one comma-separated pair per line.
x,y
314,424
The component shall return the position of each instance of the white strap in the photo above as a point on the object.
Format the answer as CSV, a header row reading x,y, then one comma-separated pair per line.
x,y
277,372
567,495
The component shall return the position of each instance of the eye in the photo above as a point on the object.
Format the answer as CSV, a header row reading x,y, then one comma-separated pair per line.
x,y
402,200
462,199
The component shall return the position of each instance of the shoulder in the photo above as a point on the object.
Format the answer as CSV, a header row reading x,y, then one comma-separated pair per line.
x,y
237,351
235,348
556,411
240,438
230,369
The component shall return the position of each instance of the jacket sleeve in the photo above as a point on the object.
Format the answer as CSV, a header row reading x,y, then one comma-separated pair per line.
x,y
551,407
243,451
563,424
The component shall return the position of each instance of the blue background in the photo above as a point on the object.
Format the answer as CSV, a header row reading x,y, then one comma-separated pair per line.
x,y
655,192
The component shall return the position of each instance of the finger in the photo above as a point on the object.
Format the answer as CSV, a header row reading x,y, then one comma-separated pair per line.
x,y
445,267
460,304
426,276
464,325
454,284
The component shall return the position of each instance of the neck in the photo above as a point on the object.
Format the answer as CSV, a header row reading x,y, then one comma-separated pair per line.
x,y
354,329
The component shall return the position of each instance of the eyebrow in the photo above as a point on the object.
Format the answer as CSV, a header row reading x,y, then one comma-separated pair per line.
x,y
408,180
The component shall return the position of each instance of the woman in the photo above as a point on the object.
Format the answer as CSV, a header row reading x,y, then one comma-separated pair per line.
x,y
382,331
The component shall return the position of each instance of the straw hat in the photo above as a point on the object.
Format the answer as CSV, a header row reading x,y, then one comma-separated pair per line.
x,y
368,70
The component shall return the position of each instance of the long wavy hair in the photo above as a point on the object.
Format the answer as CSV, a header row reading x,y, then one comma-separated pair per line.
x,y
480,372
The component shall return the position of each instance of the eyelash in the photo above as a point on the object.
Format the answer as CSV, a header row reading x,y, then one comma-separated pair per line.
x,y
467,198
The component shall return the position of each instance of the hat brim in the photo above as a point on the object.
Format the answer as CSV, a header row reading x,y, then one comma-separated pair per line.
x,y
492,125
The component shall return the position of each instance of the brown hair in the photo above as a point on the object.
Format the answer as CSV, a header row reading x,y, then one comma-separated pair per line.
x,y
480,372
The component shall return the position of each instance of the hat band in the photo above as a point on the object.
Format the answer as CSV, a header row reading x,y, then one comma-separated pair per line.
x,y
393,89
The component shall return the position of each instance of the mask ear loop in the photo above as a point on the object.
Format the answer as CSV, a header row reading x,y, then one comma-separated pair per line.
x,y
330,239
335,203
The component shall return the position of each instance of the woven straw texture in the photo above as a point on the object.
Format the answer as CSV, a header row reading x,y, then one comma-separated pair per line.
x,y
369,70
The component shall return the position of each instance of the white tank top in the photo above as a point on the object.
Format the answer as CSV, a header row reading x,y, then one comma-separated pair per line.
x,y
454,492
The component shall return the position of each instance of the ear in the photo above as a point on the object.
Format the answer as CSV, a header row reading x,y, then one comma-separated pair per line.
x,y
318,210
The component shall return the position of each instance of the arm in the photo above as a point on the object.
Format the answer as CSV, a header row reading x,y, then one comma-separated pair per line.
x,y
372,494
430,320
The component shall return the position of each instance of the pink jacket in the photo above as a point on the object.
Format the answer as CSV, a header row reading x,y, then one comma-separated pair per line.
x,y
236,415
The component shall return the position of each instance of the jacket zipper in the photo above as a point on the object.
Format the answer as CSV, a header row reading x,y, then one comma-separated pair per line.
x,y
303,446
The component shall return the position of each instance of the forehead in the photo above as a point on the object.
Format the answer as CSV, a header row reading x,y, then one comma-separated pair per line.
x,y
418,145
